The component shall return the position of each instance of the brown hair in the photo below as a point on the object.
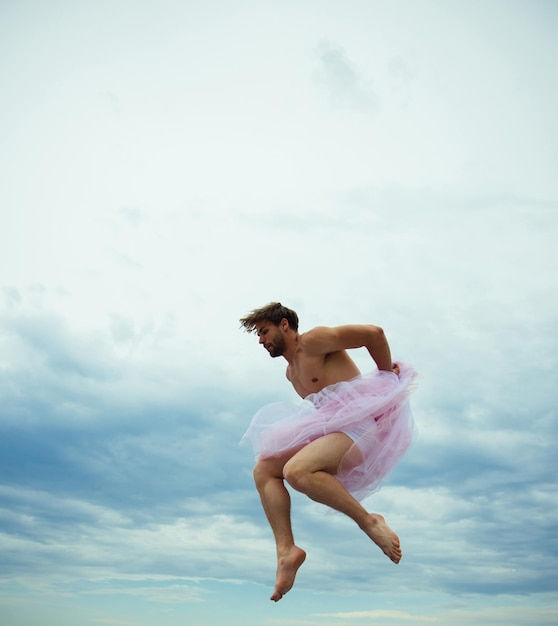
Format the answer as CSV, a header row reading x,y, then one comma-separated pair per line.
x,y
273,312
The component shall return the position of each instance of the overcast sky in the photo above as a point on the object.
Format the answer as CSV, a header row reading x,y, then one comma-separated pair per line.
x,y
168,166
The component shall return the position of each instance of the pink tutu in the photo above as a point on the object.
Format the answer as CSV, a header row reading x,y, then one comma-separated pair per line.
x,y
372,409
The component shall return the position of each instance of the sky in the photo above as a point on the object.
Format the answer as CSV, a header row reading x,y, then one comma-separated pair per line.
x,y
168,166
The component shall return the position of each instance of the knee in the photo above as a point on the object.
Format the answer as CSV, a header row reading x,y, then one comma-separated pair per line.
x,y
259,474
295,473
263,472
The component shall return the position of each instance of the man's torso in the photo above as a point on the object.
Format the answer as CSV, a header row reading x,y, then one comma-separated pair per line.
x,y
309,373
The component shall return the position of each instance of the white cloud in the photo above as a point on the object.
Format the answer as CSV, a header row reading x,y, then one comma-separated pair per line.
x,y
338,76
381,615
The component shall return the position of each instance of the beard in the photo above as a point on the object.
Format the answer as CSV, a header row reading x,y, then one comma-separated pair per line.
x,y
277,347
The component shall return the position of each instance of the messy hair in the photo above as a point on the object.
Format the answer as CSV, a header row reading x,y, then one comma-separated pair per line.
x,y
273,312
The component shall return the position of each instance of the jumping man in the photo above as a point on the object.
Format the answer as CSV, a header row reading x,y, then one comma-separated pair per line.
x,y
338,445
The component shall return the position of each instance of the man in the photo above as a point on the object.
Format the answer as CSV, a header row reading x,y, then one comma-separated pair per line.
x,y
336,448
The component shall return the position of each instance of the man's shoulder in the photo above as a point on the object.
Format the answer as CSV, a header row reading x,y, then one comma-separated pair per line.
x,y
317,330
317,340
329,339
316,333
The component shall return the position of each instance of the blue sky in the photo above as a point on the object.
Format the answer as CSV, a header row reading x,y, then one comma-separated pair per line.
x,y
166,167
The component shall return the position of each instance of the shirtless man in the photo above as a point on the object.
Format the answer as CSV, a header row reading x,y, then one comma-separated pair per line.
x,y
315,359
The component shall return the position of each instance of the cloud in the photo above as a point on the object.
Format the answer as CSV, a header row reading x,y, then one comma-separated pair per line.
x,y
167,594
120,427
73,537
155,194
380,615
345,87
510,614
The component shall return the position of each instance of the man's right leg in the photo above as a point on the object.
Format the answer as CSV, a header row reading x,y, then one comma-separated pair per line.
x,y
276,502
312,471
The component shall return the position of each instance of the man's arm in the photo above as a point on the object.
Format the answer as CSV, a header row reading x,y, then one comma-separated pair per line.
x,y
325,340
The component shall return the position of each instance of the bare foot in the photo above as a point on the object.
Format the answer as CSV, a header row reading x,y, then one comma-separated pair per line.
x,y
382,535
287,567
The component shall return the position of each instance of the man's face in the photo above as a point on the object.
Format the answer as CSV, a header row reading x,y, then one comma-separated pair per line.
x,y
272,338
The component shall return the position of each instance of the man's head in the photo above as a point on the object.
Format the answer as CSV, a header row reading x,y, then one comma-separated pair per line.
x,y
272,323
273,312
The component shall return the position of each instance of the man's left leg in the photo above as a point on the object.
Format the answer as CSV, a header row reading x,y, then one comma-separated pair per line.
x,y
276,502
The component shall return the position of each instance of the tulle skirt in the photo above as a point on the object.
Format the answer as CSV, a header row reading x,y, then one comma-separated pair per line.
x,y
372,409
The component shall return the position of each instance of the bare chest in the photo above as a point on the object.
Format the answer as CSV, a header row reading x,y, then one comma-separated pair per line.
x,y
309,374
